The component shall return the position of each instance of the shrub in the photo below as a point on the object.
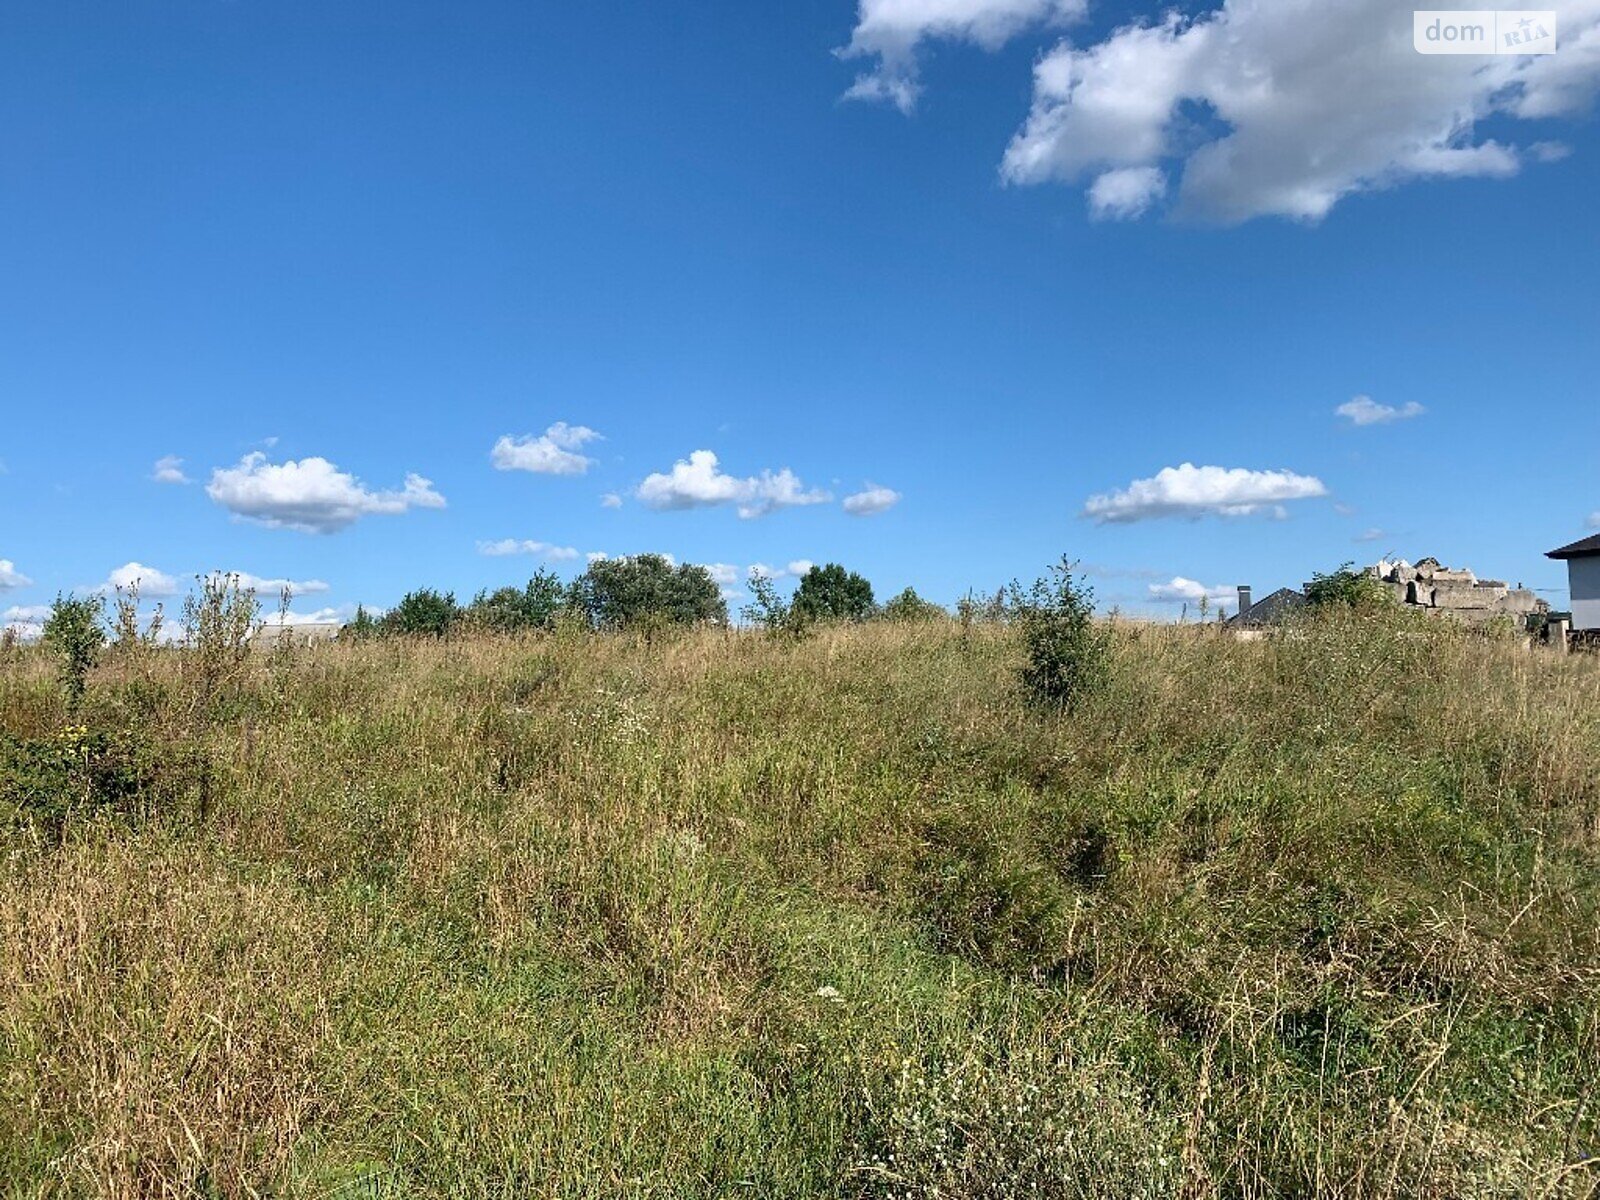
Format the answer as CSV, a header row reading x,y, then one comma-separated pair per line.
x,y
830,593
74,635
771,611
1066,652
508,609
908,606
422,613
361,627
647,590
1347,587
217,625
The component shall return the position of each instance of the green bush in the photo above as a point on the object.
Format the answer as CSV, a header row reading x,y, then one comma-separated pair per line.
x,y
1067,654
422,613
508,609
908,606
75,635
645,590
830,593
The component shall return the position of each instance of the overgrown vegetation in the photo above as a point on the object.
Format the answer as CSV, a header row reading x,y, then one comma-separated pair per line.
x,y
718,914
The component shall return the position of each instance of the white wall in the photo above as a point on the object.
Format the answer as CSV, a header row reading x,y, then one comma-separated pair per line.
x,y
1585,576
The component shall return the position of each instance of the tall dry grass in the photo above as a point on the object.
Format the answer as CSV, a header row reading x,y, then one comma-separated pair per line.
x,y
728,915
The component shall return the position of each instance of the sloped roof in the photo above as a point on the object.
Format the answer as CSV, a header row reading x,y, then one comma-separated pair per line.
x,y
1269,610
1586,548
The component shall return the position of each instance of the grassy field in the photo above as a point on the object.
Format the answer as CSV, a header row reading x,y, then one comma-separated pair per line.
x,y
729,915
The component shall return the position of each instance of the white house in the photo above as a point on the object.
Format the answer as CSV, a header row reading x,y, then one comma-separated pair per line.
x,y
1583,572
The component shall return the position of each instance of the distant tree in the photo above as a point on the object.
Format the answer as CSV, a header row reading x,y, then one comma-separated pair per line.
x,y
830,593
908,606
73,632
1067,653
361,627
507,609
645,589
1345,587
423,613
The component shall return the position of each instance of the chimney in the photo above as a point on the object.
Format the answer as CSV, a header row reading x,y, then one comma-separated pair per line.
x,y
1244,599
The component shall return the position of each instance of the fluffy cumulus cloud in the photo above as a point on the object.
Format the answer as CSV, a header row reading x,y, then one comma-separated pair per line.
x,y
890,31
311,495
153,584
873,498
25,622
169,469
1364,410
507,546
1179,590
553,452
320,616
699,482
1191,491
1284,107
263,585
10,577
611,500
790,570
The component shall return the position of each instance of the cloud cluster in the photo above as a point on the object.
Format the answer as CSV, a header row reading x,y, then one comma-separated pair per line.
x,y
554,452
791,570
311,495
152,583
1364,410
1191,491
1187,591
264,586
10,577
874,498
891,30
1284,107
169,469
698,482
508,546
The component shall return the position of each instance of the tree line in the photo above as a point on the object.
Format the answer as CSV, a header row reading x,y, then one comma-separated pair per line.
x,y
640,591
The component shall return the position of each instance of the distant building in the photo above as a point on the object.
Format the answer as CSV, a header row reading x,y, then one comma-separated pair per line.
x,y
304,633
1583,575
1427,587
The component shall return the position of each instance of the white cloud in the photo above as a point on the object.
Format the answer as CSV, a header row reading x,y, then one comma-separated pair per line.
x,y
264,587
791,570
1285,107
152,584
1364,410
10,577
311,495
891,30
595,556
874,498
1124,193
1191,491
554,452
1187,591
611,500
507,546
724,573
26,612
169,469
698,483
1594,520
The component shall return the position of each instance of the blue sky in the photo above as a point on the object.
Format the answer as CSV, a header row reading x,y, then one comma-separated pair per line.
x,y
1041,254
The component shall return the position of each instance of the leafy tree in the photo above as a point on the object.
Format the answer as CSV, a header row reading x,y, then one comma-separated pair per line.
x,y
535,606
362,626
908,606
74,634
645,589
1067,653
1346,586
423,613
831,593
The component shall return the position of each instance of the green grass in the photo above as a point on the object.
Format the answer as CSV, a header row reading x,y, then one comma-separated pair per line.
x,y
727,915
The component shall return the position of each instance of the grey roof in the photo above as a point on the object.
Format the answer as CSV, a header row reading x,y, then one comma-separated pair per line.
x,y
1587,548
1270,610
